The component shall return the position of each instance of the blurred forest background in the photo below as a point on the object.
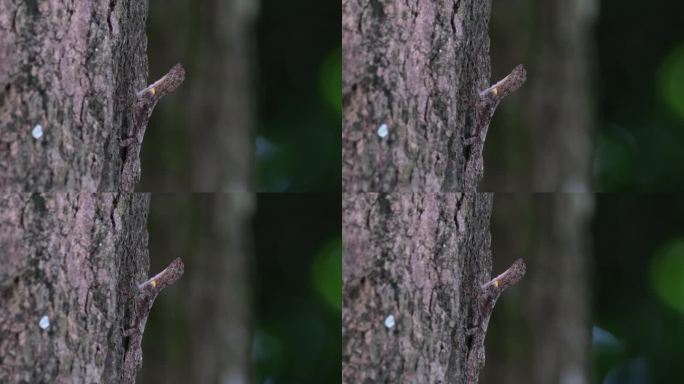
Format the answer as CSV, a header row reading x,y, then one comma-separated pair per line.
x,y
602,110
259,110
603,107
262,95
260,299
603,300
638,323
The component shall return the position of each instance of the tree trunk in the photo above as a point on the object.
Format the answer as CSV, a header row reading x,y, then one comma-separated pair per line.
x,y
413,264
70,264
68,81
204,336
543,141
413,69
202,140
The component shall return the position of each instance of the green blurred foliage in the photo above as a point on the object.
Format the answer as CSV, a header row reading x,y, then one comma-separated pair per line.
x,y
298,139
268,353
672,80
638,296
607,353
298,281
616,155
326,273
641,88
330,80
667,273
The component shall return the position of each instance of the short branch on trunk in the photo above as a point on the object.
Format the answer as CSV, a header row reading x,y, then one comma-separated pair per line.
x,y
146,101
505,86
486,106
146,293
484,306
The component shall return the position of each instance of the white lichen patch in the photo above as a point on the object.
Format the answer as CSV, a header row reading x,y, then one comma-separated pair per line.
x,y
383,131
37,132
389,322
44,322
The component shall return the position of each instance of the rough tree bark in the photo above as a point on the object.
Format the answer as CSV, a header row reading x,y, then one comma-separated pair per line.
x,y
547,337
543,141
205,334
413,264
208,127
70,264
413,69
69,74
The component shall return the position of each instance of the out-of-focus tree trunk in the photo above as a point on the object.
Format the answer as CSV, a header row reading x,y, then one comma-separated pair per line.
x,y
69,264
543,334
68,78
202,141
414,68
209,339
203,145
412,264
543,140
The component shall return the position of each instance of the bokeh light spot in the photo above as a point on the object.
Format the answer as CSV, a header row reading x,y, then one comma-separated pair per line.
x,y
330,80
326,273
671,79
667,273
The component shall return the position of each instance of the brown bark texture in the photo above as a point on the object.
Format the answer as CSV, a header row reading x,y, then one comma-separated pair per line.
x,y
414,68
543,140
542,333
201,332
208,127
69,266
412,268
69,71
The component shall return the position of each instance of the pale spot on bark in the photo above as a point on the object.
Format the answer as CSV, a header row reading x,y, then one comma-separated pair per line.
x,y
389,322
44,322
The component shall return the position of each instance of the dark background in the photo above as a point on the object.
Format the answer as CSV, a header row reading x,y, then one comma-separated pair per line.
x,y
299,96
640,96
638,289
639,260
298,285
